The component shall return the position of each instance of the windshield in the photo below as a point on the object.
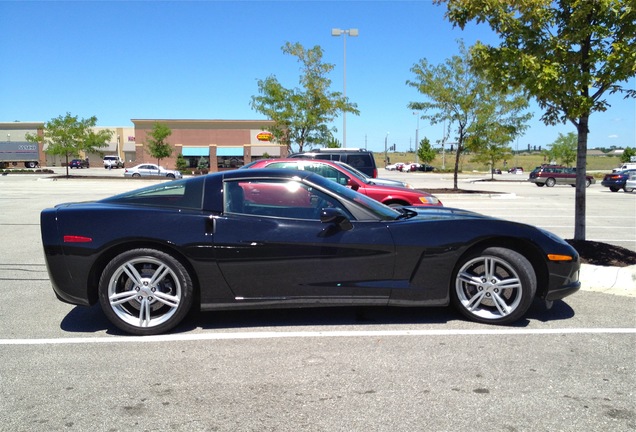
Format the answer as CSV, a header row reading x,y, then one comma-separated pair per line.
x,y
379,210
358,174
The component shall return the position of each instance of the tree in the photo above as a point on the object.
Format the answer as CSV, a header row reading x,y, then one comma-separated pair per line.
x,y
69,136
425,151
158,147
457,94
301,116
181,163
567,54
333,142
563,149
627,155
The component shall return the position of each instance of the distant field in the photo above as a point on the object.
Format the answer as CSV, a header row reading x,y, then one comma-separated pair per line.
x,y
528,161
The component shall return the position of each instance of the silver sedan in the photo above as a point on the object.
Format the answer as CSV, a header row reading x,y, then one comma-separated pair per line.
x,y
151,170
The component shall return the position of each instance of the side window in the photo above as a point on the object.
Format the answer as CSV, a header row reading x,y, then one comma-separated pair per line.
x,y
358,161
283,165
328,172
276,198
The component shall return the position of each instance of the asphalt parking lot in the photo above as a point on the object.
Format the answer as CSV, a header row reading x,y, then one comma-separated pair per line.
x,y
571,368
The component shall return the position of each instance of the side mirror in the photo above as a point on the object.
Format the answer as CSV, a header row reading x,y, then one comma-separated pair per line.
x,y
352,184
337,217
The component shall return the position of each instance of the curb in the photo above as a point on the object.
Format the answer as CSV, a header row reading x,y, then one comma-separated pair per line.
x,y
611,280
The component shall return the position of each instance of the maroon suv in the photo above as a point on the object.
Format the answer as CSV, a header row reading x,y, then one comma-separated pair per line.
x,y
551,175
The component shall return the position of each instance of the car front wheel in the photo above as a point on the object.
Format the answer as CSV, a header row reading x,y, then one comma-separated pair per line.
x,y
145,292
495,286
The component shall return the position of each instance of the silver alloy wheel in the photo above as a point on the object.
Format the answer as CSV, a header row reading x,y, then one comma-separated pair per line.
x,y
144,292
550,182
489,288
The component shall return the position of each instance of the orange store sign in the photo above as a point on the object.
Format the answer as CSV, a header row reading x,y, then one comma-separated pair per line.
x,y
264,136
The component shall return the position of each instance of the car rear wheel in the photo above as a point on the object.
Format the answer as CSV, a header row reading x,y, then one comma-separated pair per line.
x,y
540,184
145,292
495,286
550,182
136,175
588,182
614,189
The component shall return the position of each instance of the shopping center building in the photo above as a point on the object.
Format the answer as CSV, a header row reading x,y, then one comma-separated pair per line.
x,y
219,144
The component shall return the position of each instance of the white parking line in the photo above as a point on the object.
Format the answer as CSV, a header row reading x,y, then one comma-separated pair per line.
x,y
313,334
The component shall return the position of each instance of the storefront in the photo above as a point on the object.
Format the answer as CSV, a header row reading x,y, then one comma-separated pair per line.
x,y
214,144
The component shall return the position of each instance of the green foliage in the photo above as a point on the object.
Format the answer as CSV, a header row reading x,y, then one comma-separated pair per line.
x,y
181,163
627,154
457,94
301,115
563,149
425,152
333,142
156,142
68,136
567,54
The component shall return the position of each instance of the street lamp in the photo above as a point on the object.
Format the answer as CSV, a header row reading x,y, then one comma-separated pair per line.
x,y
386,159
417,143
340,32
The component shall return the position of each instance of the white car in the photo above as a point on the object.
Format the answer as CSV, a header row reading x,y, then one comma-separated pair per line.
x,y
630,184
151,170
113,162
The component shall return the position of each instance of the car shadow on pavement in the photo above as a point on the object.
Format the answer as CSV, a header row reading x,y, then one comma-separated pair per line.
x,y
83,319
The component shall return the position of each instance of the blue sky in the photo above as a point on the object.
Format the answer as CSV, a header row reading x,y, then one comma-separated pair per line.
x,y
123,60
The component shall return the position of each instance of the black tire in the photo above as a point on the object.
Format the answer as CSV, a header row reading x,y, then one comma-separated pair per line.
x,y
550,182
170,176
136,175
145,292
588,182
614,189
540,184
501,295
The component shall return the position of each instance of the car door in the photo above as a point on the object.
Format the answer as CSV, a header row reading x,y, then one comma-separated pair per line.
x,y
272,246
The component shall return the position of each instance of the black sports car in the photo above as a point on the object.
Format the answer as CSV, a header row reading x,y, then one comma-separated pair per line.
x,y
284,238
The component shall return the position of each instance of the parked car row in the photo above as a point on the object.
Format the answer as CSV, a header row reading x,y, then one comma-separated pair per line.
x,y
391,195
409,167
616,181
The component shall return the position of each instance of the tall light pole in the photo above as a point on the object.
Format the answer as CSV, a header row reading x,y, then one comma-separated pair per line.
x,y
344,33
417,143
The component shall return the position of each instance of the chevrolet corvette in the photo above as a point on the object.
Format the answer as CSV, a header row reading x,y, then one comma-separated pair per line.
x,y
269,238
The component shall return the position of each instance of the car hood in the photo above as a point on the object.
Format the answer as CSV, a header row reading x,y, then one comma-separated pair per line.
x,y
446,213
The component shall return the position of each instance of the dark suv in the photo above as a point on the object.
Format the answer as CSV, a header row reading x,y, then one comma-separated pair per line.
x,y
360,159
551,175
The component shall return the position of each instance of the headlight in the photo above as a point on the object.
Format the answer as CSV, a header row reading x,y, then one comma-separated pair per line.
x,y
431,200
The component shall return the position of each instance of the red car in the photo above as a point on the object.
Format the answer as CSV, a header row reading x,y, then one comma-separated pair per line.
x,y
389,195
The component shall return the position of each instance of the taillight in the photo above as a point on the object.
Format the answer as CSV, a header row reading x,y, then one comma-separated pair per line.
x,y
375,173
77,239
